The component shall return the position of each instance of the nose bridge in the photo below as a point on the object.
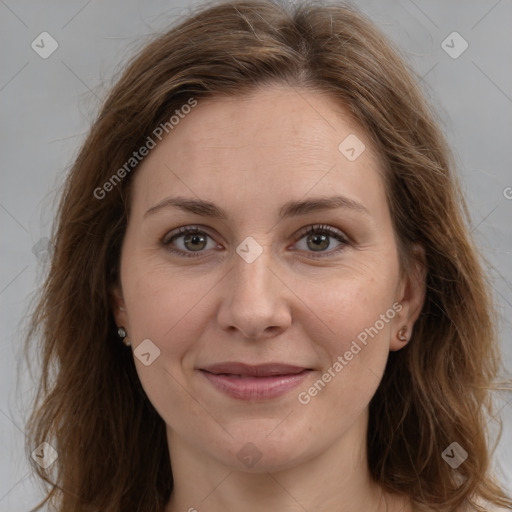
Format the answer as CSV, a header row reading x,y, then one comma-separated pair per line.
x,y
252,272
252,278
254,301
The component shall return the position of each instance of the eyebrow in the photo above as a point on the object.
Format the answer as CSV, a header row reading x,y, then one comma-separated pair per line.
x,y
289,209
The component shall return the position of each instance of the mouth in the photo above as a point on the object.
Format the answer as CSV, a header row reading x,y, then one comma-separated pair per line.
x,y
260,382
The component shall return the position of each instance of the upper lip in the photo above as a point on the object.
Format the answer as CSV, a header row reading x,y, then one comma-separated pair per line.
x,y
260,370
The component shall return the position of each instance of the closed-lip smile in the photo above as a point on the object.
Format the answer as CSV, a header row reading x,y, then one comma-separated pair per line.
x,y
254,382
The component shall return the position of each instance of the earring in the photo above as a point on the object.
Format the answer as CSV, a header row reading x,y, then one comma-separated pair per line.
x,y
402,334
121,332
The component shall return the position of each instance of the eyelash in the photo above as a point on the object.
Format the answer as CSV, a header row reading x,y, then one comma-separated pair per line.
x,y
310,230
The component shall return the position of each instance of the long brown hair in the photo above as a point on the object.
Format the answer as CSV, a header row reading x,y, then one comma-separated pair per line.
x,y
90,406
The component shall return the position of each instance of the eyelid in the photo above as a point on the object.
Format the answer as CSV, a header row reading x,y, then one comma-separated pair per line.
x,y
333,232
184,230
313,228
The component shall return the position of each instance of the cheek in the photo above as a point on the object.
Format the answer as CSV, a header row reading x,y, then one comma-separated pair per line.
x,y
350,322
342,308
170,310
354,350
162,301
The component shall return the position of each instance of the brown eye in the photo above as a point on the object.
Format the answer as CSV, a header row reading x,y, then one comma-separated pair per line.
x,y
188,240
319,238
195,242
318,242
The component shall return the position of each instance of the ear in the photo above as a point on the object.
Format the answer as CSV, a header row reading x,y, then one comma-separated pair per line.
x,y
411,295
118,306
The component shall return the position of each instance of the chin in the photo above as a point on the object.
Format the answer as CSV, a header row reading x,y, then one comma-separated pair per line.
x,y
258,450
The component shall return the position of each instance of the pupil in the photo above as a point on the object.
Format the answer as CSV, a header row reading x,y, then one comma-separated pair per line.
x,y
319,239
198,241
195,238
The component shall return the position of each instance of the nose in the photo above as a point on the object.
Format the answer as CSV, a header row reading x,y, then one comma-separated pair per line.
x,y
255,300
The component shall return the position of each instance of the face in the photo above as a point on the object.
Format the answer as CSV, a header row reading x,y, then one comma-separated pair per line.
x,y
261,318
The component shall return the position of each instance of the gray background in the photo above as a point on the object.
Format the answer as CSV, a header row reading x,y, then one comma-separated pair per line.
x,y
47,104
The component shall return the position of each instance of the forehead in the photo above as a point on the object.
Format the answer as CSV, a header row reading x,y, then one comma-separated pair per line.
x,y
268,146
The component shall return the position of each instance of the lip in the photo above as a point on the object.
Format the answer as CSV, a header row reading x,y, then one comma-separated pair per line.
x,y
254,382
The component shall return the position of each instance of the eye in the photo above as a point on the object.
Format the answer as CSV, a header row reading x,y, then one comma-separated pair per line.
x,y
190,241
317,240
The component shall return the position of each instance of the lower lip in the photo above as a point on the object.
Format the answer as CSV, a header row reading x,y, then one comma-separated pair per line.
x,y
255,388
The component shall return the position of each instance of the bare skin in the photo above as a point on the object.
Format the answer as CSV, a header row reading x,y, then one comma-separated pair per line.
x,y
302,301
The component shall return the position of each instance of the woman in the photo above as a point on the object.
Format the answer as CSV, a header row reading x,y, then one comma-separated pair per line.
x,y
266,214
